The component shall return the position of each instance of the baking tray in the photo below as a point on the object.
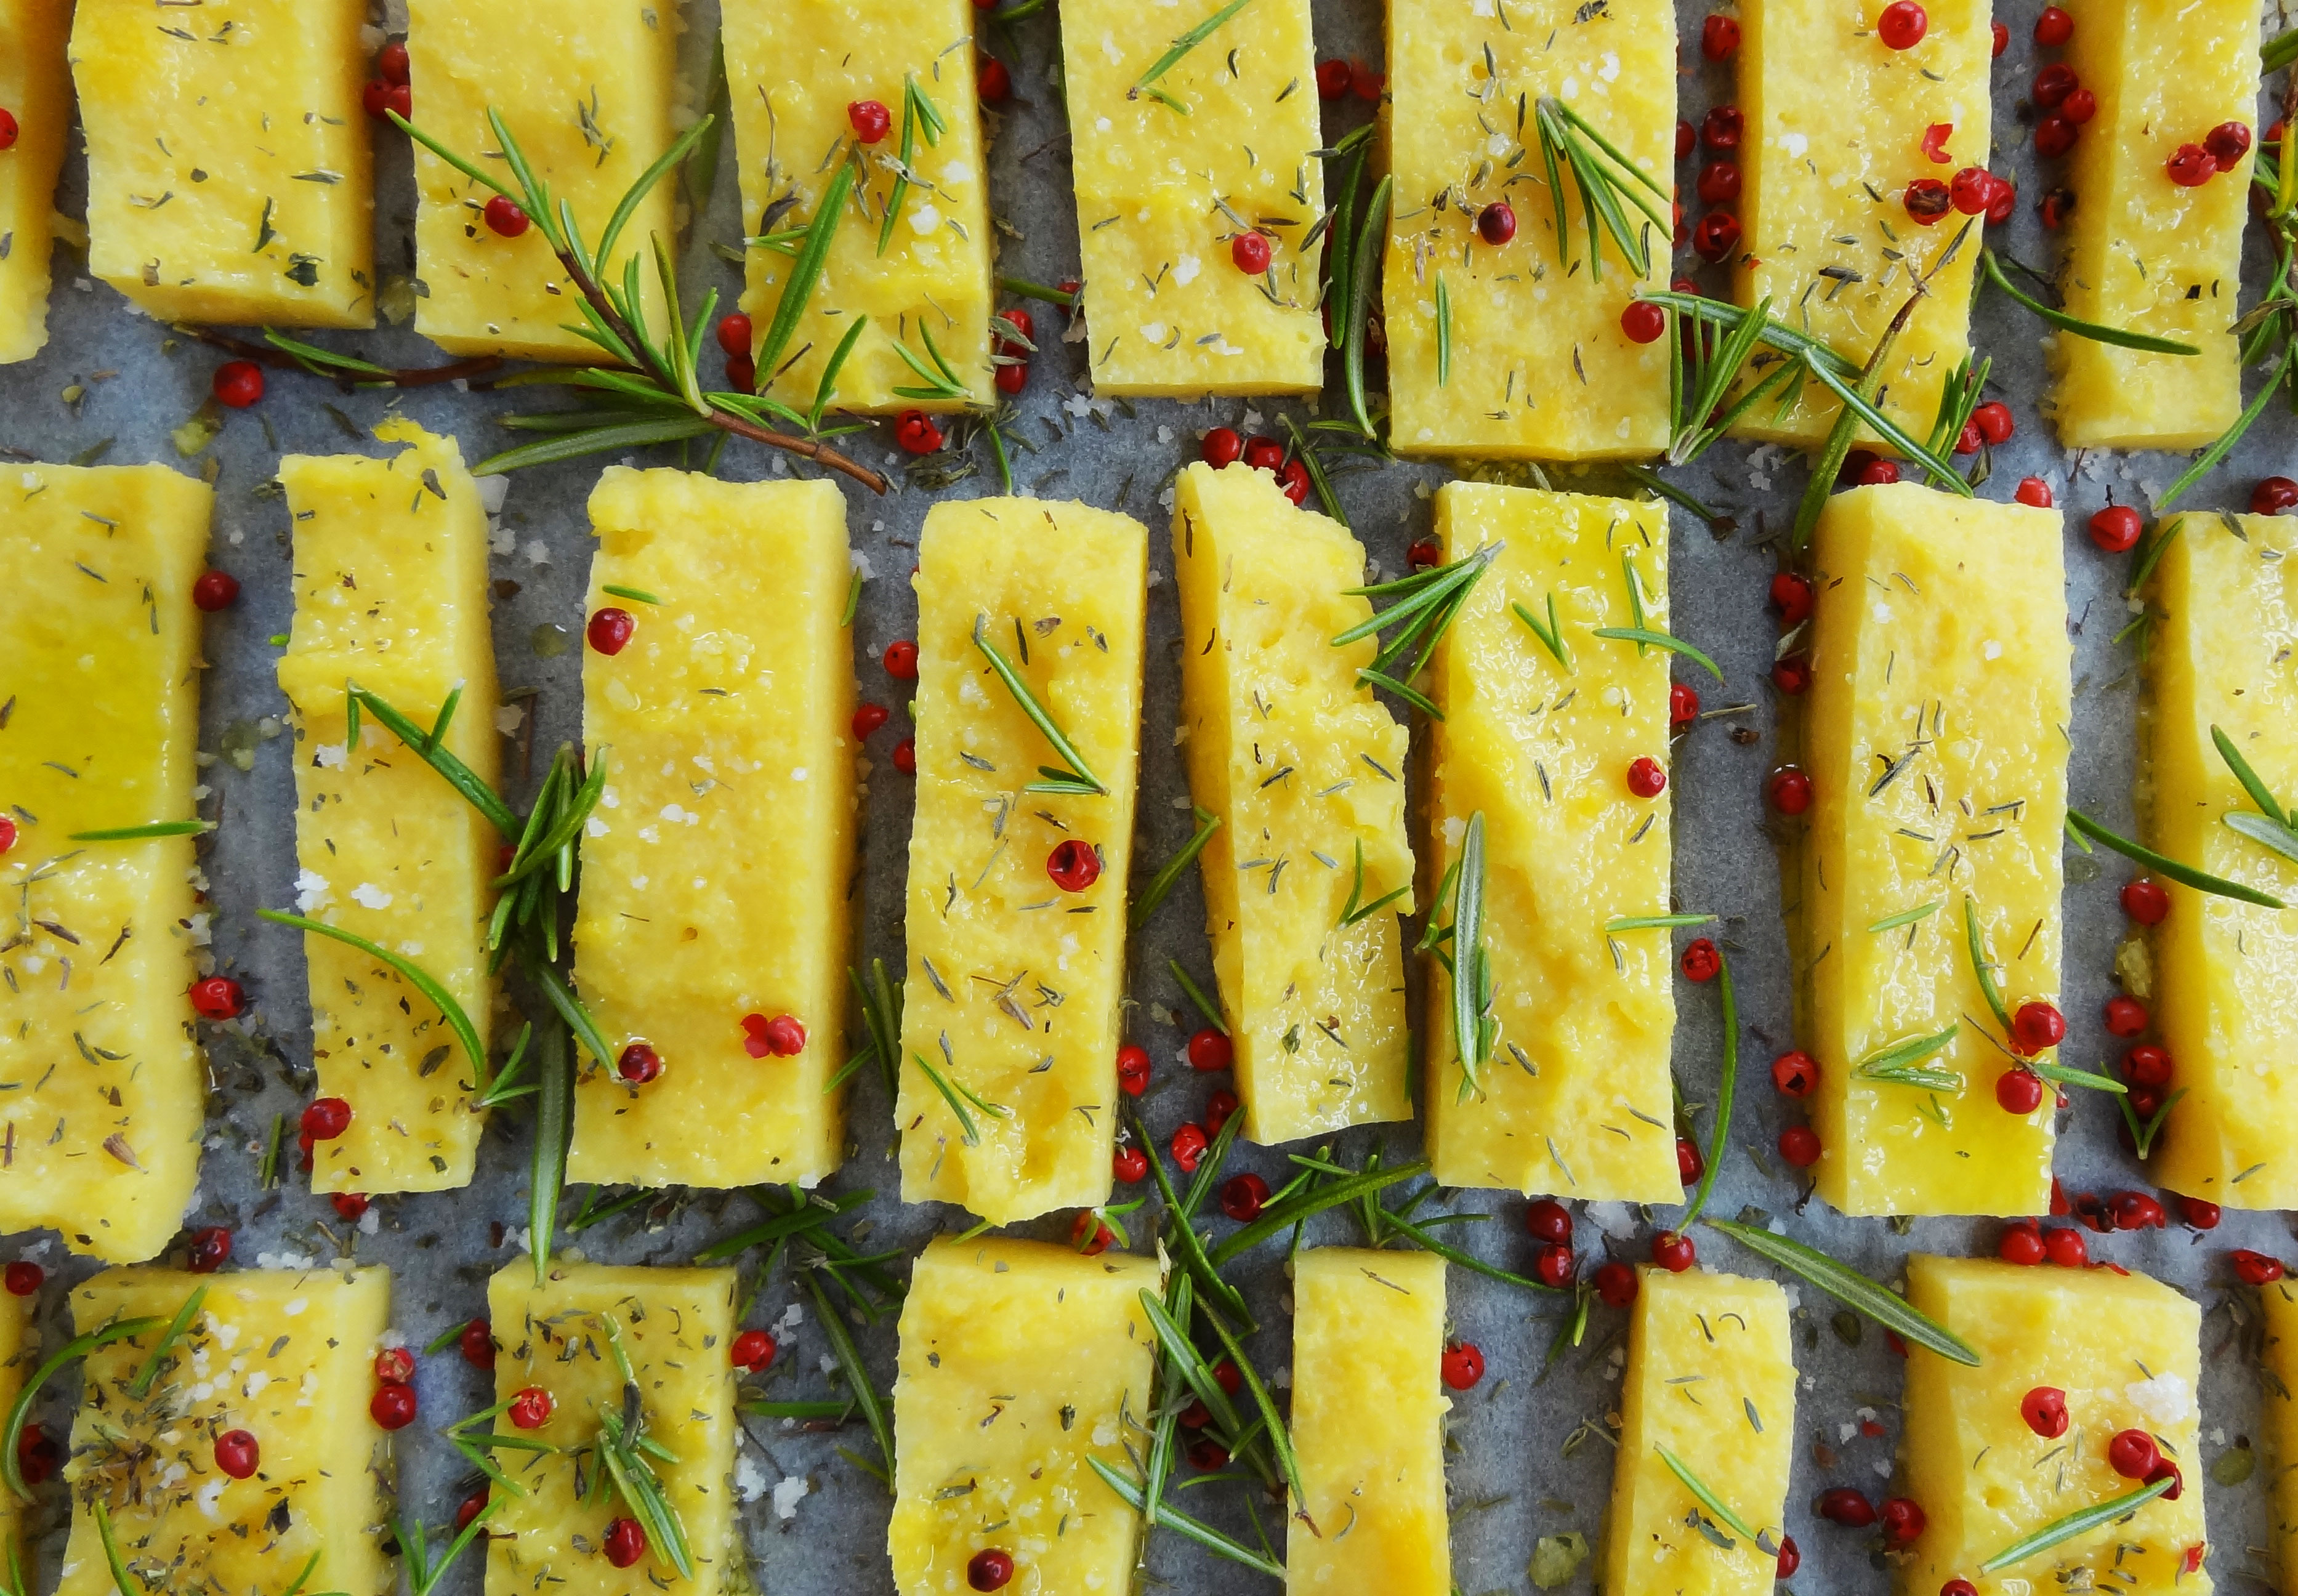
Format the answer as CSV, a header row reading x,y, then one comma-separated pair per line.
x,y
1528,1458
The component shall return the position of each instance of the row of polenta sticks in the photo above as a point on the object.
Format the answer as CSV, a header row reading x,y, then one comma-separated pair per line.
x,y
230,182
713,934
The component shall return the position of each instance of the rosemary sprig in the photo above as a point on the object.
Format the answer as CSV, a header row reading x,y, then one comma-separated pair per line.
x,y
2086,831
141,1386
424,1574
1188,1528
2078,1523
1551,636
1648,922
1356,315
1719,1139
1307,1204
1891,922
1897,1063
1181,46
1428,602
80,1346
1074,777
2271,827
881,1002
1692,430
1169,875
1852,1289
2143,1135
437,995
1838,447
2067,1076
1474,1028
938,381
1707,1498
280,352
1651,637
1597,165
554,1133
123,1580
849,1360
1181,1238
158,828
655,375
1959,396
1318,477
2207,461
1356,909
2096,332
920,115
1444,333
1196,995
627,1454
957,1095
1975,939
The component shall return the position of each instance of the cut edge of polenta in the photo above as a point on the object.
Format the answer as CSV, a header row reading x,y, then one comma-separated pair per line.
x,y
36,86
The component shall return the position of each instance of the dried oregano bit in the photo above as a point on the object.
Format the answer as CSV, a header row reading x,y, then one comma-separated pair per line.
x,y
21,1409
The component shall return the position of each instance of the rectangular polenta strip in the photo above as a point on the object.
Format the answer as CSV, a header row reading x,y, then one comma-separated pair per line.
x,y
1303,765
2223,971
592,112
36,89
1368,1424
391,592
1935,740
1836,121
2278,1359
106,1083
1163,193
1539,366
794,66
230,176
1012,993
674,1326
2126,1350
2144,254
1711,1378
1054,1347
716,868
286,1356
1576,1097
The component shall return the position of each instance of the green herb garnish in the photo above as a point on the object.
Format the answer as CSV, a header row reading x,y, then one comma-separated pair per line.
x,y
2080,1523
1073,777
1852,1289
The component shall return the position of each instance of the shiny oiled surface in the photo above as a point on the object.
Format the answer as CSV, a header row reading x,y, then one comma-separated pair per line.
x,y
37,89
792,69
1161,194
592,112
1305,769
228,158
1368,1425
1540,367
2224,974
1576,1098
1014,982
2126,1350
1021,1361
1711,1377
285,1356
1836,121
391,592
2142,252
2279,1404
718,866
675,1327
1935,738
106,1083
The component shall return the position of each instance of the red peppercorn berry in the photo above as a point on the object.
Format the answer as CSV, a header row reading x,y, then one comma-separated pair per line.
x,y
218,997
1719,36
2054,28
2191,166
734,335
905,756
1133,1070
1842,1505
7,833
2023,1244
989,1570
2255,1269
1646,778
2033,491
1683,705
2002,199
393,1407
2054,136
1424,554
1462,1366
2139,1211
1689,1165
1617,1284
2045,1410
1685,139
2146,901
2037,1028
349,1205
207,1251
1221,447
1554,1266
1902,25
639,1064
1972,190
916,432
900,660
2133,1454
325,1119
870,119
1642,322
215,590
1496,223
1549,1221
1927,199
1718,184
1128,1163
2273,495
1876,473
237,384
1903,1521
531,1408
753,1350
2125,1016
24,1279
1794,1074
236,1454
1960,1587
1672,1250
1073,865
1219,1107
625,1543
477,1344
1263,454
2198,1213
1089,1236
1790,791
504,218
394,1365
1800,1146
1189,1144
1332,79
867,719
1700,960
994,80
1791,1558
2019,1091
1210,1050
2116,528
2167,1470
1723,128
471,1508
1793,596
1716,236
2066,1248
609,630
1242,1196
781,1036
1993,421
2053,84
2227,143
1294,480
1250,252
2080,106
